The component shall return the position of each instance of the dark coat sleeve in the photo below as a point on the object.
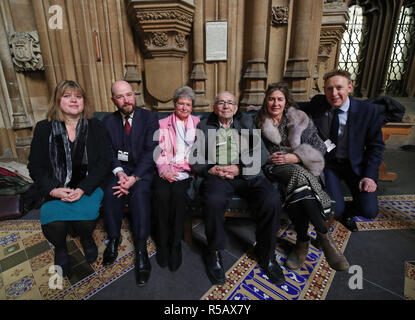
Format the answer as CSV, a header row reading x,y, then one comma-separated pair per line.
x,y
39,165
198,159
145,164
99,157
374,145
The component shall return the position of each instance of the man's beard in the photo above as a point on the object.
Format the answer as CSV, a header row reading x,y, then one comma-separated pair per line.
x,y
126,112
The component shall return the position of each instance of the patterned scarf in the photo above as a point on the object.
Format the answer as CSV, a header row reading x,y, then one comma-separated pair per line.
x,y
60,149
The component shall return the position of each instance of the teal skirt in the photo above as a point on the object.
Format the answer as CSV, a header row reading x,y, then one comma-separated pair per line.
x,y
86,208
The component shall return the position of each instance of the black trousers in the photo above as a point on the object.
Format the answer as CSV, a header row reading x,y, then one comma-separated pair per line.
x,y
169,208
262,197
139,204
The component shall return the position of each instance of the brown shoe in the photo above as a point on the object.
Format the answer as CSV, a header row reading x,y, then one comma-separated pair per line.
x,y
297,256
335,259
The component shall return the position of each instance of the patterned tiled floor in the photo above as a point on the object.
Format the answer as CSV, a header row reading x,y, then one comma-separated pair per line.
x,y
246,281
26,258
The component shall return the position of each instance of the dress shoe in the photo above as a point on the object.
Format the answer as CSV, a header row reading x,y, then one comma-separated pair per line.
x,y
334,258
90,250
111,252
349,223
142,267
175,258
298,255
162,256
274,272
214,268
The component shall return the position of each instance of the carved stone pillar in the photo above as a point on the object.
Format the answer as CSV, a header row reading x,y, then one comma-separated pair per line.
x,y
198,75
299,68
163,28
380,20
255,75
335,16
21,122
132,69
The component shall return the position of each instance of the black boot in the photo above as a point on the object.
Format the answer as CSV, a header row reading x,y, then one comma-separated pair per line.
x,y
270,267
62,259
142,263
175,257
214,267
90,249
111,252
162,256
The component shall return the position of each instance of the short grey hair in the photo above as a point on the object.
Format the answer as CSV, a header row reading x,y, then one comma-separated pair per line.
x,y
216,99
184,92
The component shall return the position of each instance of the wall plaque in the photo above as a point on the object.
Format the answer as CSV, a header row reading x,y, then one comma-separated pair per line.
x,y
216,41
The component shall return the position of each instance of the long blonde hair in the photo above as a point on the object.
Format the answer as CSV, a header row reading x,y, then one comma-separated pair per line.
x,y
54,111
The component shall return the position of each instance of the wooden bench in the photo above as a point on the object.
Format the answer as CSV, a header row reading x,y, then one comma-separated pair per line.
x,y
237,207
392,128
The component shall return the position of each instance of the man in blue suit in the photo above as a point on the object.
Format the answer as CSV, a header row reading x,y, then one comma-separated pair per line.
x,y
131,131
352,131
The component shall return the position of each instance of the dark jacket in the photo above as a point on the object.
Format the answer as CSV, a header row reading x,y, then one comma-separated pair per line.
x,y
98,151
145,124
201,160
365,133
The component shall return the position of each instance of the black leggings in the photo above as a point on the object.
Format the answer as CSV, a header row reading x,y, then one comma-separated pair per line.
x,y
56,232
304,212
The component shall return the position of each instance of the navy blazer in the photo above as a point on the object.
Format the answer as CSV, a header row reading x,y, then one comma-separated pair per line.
x,y
365,141
145,124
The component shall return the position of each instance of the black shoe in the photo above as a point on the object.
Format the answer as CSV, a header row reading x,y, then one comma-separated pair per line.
x,y
162,256
349,223
274,272
175,258
214,268
142,267
111,252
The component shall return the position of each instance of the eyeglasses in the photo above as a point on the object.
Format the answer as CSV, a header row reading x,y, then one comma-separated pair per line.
x,y
128,95
222,103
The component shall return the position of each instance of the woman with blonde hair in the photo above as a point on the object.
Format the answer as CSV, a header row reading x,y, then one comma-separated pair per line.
x,y
69,160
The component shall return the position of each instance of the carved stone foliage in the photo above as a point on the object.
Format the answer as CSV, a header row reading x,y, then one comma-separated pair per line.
x,y
163,26
279,15
25,51
334,3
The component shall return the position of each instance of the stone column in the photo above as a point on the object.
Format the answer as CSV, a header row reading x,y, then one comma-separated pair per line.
x,y
198,75
255,75
132,68
21,122
298,69
381,18
335,16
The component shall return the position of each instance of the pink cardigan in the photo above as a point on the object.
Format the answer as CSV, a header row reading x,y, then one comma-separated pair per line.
x,y
167,143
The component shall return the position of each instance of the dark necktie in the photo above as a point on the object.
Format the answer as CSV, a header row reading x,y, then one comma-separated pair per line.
x,y
334,129
127,125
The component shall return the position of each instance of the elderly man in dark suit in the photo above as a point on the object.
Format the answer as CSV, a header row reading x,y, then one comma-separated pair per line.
x,y
131,131
228,155
352,131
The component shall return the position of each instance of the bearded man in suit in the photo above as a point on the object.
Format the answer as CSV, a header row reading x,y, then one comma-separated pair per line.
x,y
131,131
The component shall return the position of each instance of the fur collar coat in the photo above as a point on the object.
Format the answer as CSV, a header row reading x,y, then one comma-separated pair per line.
x,y
302,140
